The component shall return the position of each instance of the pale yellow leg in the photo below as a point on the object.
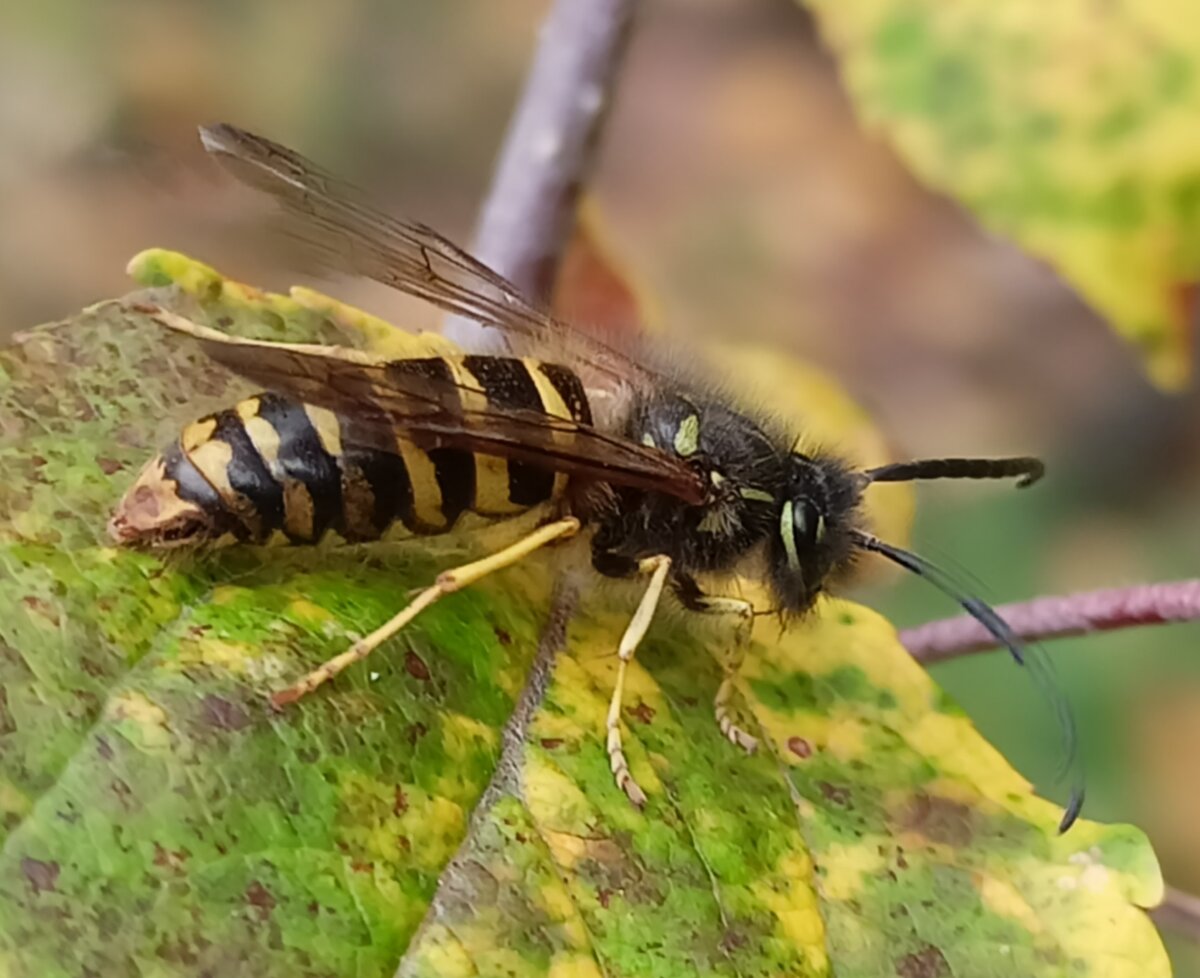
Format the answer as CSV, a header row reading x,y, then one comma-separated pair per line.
x,y
744,610
657,568
447,583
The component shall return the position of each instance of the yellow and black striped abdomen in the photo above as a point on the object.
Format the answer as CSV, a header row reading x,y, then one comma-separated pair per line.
x,y
273,467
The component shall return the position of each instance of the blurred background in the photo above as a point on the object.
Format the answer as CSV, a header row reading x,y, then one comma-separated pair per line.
x,y
737,182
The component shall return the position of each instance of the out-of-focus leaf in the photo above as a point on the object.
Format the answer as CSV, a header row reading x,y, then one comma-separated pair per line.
x,y
161,820
1068,127
594,292
1165,732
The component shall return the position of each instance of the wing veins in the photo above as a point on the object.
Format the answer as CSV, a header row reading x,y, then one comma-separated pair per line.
x,y
400,253
383,400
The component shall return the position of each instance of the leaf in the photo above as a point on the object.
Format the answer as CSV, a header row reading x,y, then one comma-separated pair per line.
x,y
160,819
1066,128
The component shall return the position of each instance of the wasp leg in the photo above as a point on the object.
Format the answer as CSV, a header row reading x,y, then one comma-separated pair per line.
x,y
692,598
447,583
657,568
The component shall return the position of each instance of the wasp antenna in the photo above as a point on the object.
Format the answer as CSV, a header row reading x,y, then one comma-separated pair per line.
x,y
1032,657
1026,469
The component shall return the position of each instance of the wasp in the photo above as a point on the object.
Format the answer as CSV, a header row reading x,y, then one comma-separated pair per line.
x,y
671,480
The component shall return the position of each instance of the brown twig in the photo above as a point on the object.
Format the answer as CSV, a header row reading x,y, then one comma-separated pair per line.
x,y
1179,912
523,230
1057,617
551,143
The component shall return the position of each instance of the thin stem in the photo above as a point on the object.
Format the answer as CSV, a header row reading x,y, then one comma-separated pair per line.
x,y
529,212
1179,912
1057,617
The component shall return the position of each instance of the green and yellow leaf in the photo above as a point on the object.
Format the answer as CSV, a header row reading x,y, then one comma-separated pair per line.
x,y
1067,127
429,813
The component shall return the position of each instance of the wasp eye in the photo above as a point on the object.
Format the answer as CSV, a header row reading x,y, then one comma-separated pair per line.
x,y
801,527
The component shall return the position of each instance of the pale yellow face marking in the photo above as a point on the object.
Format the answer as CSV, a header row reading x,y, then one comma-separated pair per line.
x,y
787,530
328,430
649,442
687,438
196,434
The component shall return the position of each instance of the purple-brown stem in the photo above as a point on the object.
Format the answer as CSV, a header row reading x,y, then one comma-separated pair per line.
x,y
1179,912
529,211
1057,617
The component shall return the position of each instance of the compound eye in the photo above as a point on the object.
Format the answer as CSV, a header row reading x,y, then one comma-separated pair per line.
x,y
808,523
801,526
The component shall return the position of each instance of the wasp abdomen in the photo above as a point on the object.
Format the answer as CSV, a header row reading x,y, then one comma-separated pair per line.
x,y
273,467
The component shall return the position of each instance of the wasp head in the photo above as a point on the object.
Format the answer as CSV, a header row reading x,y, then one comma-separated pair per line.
x,y
813,543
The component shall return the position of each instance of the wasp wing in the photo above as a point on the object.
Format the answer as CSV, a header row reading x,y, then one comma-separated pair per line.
x,y
341,230
385,399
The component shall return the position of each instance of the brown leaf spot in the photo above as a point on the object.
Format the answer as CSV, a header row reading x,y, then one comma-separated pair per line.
x,y
551,743
223,714
177,953
925,963
173,860
834,794
104,749
604,895
92,667
502,636
399,801
643,712
415,666
799,746
109,466
41,876
7,724
42,608
939,820
260,898
123,792
416,732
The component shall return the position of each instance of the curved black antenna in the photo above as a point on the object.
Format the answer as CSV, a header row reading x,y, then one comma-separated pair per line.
x,y
1026,469
1033,658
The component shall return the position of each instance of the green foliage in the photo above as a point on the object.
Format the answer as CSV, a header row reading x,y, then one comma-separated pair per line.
x,y
1067,127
